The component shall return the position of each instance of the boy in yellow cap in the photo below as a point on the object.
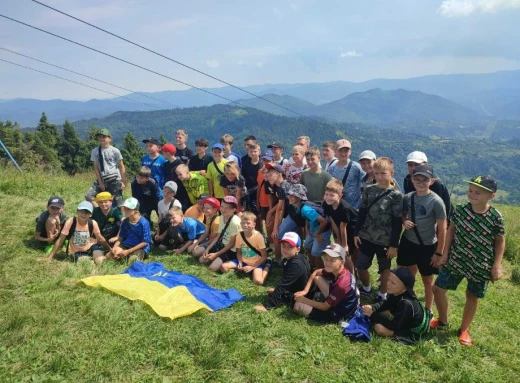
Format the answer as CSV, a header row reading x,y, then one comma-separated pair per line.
x,y
107,217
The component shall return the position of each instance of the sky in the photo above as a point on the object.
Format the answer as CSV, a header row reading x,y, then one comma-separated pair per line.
x,y
248,43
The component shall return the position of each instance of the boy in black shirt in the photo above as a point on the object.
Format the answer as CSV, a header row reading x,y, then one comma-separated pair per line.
x,y
200,161
183,151
249,171
169,152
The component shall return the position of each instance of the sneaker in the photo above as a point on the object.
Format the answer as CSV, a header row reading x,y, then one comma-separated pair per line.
x,y
379,299
465,338
436,323
48,249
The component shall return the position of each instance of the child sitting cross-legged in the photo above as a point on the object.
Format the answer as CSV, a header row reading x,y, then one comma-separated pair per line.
x,y
163,206
211,207
186,230
251,252
401,317
339,296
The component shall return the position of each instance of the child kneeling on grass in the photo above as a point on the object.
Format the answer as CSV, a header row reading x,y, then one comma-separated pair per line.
x,y
222,248
401,317
135,235
294,275
50,222
336,284
211,208
251,252
186,230
84,236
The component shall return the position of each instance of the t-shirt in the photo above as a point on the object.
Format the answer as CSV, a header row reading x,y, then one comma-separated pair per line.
x,y
42,220
263,198
310,215
329,164
108,224
343,294
344,213
184,154
212,225
234,157
111,157
352,185
135,233
282,162
197,164
250,173
428,209
156,165
233,186
377,227
170,175
81,240
196,186
213,174
437,187
191,228
249,257
281,194
294,173
472,251
163,207
194,212
147,194
233,229
315,184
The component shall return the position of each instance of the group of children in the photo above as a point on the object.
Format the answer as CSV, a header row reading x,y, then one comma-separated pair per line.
x,y
232,212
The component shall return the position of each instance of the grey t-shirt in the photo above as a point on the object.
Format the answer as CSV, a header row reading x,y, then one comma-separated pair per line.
x,y
111,156
428,209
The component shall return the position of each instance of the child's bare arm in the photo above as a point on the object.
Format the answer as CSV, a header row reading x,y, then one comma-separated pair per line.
x,y
500,245
98,176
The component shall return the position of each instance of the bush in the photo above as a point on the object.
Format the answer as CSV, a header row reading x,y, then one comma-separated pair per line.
x,y
515,275
512,251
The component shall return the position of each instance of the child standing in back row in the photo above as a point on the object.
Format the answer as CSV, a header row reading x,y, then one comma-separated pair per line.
x,y
294,171
314,178
474,250
154,161
184,152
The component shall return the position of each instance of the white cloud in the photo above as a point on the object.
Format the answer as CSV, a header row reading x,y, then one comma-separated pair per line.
x,y
260,64
352,53
278,13
461,8
242,62
212,63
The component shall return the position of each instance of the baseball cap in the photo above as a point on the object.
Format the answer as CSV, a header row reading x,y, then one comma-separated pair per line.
x,y
335,251
152,140
85,205
212,201
104,132
367,155
56,201
292,239
406,277
104,196
485,182
202,197
298,190
423,170
230,200
343,144
217,146
275,144
171,185
417,157
131,203
269,156
168,148
276,167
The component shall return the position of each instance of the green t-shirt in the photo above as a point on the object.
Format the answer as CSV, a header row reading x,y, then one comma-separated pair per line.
x,y
315,183
472,251
196,186
108,224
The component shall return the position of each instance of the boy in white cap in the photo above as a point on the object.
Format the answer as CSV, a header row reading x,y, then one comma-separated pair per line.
x,y
163,206
336,284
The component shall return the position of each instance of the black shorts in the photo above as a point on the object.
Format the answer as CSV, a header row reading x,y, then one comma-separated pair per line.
x,y
367,250
228,256
263,212
410,254
322,316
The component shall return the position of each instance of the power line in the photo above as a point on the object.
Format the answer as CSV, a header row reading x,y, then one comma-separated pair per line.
x,y
78,83
89,77
168,58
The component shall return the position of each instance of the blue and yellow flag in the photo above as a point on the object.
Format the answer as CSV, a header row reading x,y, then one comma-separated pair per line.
x,y
171,294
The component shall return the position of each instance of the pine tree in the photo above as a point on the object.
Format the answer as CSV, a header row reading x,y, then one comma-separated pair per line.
x,y
48,132
131,153
162,139
71,150
46,143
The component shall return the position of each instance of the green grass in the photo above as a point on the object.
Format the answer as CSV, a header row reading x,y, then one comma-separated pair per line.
x,y
53,329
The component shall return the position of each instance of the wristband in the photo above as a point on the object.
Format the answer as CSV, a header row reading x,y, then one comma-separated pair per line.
x,y
439,254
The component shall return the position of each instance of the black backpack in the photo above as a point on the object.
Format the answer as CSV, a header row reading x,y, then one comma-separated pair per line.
x,y
73,230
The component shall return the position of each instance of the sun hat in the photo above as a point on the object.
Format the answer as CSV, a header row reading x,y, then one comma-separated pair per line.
x,y
298,190
104,196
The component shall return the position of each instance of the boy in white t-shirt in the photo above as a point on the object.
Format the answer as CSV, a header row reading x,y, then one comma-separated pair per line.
x,y
169,201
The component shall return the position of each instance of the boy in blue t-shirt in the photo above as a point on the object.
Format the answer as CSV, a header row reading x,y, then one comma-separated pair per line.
x,y
318,226
187,230
135,235
155,161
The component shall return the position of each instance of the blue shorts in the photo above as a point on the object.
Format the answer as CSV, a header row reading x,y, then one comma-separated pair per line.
x,y
286,226
314,246
235,262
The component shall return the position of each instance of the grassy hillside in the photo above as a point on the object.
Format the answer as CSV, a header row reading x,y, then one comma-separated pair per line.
x,y
55,330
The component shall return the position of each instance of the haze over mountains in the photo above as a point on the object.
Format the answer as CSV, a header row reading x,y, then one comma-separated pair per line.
x,y
456,98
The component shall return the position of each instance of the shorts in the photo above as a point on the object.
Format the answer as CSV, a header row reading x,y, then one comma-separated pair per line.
x,y
448,280
350,240
366,255
89,253
249,203
186,239
410,254
314,246
322,316
112,186
286,226
263,212
235,262
140,254
228,256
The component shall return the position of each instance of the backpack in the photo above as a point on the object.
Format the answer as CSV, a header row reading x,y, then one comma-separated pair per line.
x,y
298,218
73,230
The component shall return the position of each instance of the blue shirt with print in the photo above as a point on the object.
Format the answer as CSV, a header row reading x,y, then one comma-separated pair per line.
x,y
156,166
352,193
135,233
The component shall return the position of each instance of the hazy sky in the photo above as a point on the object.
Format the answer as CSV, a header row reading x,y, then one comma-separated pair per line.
x,y
246,43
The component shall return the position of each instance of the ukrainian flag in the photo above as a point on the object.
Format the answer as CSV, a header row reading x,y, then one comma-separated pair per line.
x,y
171,294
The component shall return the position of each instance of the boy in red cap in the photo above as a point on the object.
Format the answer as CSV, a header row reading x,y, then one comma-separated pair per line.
x,y
169,152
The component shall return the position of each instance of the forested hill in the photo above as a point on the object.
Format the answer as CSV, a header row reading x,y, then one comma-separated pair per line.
x,y
453,160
